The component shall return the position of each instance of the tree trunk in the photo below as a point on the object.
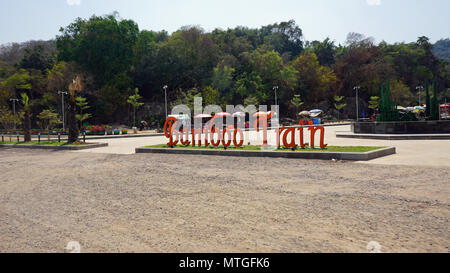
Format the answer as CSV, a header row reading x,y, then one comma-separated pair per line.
x,y
73,130
27,126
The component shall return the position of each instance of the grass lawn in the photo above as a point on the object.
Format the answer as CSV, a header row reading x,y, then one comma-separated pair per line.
x,y
348,149
50,143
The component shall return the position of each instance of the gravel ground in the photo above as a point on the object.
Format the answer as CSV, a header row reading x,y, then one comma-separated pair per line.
x,y
172,203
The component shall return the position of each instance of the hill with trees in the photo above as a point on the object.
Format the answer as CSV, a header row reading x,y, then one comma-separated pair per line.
x,y
442,49
233,66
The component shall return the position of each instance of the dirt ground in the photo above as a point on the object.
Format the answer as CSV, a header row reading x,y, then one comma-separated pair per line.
x,y
172,203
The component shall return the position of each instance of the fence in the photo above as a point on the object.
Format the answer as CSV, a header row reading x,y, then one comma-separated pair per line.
x,y
17,138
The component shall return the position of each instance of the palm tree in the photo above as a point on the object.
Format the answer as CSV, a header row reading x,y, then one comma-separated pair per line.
x,y
26,117
75,86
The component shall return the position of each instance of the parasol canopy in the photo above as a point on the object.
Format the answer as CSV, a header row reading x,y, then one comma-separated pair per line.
x,y
180,117
203,116
314,115
315,111
304,114
239,114
222,114
260,114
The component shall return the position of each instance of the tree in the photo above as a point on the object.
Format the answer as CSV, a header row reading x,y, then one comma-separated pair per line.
x,y
8,120
75,86
401,94
211,96
19,81
48,119
222,79
134,101
26,117
374,102
252,100
38,57
285,37
324,51
296,102
82,105
102,45
315,82
339,104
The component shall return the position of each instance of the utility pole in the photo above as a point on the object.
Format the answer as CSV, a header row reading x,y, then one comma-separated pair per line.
x,y
14,109
165,95
420,88
62,93
356,88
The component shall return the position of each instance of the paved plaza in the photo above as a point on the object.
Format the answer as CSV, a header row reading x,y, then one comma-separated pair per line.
x,y
433,153
111,200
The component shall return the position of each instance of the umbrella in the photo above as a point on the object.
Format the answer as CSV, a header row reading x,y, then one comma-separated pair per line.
x,y
315,111
401,108
304,113
222,114
420,108
313,115
180,117
239,114
260,114
203,116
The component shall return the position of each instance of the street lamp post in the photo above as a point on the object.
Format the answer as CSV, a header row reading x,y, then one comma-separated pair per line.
x,y
419,88
356,88
275,88
14,109
165,95
62,93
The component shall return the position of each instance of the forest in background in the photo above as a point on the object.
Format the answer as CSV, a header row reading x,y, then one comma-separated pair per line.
x,y
233,66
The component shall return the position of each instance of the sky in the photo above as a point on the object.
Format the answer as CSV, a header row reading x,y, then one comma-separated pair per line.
x,y
388,20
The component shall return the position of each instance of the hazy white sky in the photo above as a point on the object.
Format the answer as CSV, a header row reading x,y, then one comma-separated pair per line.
x,y
390,20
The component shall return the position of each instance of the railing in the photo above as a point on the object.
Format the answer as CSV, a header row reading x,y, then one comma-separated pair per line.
x,y
17,138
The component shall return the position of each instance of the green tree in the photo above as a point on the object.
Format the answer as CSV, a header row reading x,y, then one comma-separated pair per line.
x,y
18,82
134,100
296,102
48,119
223,78
102,45
26,117
339,104
251,100
83,105
316,82
7,119
211,96
324,51
401,94
374,102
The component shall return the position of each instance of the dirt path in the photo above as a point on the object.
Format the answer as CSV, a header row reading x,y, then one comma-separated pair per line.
x,y
169,203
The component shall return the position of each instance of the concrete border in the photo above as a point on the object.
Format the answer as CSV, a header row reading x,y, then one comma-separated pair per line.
x,y
52,147
393,137
304,155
